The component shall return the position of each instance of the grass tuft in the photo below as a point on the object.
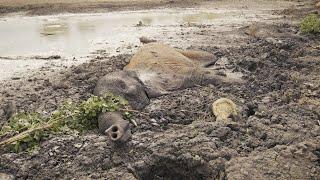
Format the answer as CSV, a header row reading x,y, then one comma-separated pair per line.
x,y
310,24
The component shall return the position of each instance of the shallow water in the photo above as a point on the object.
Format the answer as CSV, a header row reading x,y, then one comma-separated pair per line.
x,y
75,35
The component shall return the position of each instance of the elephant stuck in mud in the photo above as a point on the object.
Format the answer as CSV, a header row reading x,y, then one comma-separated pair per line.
x,y
158,69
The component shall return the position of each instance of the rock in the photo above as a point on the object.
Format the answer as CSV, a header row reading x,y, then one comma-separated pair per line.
x,y
15,78
60,85
140,24
250,64
145,40
128,176
4,176
54,57
220,132
257,31
125,84
266,99
78,145
223,109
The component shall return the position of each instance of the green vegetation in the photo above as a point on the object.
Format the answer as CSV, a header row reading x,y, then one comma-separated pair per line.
x,y
310,24
27,130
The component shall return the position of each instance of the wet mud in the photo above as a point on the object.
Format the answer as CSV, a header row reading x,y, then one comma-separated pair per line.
x,y
276,136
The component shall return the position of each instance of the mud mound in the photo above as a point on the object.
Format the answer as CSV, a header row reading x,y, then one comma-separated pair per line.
x,y
282,162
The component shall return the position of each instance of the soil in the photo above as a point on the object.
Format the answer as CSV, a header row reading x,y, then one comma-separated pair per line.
x,y
45,7
276,137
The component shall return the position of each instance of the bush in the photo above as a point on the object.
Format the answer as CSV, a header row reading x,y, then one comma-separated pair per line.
x,y
25,131
310,24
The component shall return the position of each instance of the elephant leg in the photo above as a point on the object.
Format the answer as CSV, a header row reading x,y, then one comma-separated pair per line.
x,y
202,58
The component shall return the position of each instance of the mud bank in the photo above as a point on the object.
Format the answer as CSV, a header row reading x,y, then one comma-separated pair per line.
x,y
35,7
277,136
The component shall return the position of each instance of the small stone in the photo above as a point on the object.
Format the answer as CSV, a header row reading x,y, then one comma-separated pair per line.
x,y
140,24
220,132
153,120
266,99
95,176
78,145
146,40
15,78
4,176
60,85
155,124
116,159
86,161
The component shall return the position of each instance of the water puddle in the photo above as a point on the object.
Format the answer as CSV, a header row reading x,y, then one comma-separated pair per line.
x,y
76,35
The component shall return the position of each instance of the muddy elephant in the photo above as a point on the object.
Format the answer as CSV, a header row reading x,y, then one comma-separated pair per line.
x,y
156,69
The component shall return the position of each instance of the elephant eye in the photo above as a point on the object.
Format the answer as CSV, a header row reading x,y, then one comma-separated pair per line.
x,y
122,85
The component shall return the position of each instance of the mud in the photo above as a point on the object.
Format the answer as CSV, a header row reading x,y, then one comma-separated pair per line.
x,y
77,38
276,137
45,7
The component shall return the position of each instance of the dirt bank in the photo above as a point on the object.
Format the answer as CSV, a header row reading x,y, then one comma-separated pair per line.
x,y
277,137
39,7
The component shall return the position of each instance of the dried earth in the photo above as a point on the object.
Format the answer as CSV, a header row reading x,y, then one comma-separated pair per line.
x,y
277,136
45,7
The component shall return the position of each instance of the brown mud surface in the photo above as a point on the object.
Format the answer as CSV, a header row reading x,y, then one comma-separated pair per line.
x,y
277,136
45,7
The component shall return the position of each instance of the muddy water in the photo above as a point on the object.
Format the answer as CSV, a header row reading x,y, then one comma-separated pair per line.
x,y
76,37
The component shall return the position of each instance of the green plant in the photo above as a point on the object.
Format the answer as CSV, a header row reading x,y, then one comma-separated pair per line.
x,y
27,130
310,24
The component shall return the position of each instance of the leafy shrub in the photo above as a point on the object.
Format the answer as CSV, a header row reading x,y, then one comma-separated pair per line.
x,y
27,130
310,24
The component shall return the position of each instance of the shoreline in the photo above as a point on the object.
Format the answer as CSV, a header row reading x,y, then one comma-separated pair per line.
x,y
45,8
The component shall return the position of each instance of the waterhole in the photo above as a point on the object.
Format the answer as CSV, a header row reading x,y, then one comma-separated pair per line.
x,y
76,35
